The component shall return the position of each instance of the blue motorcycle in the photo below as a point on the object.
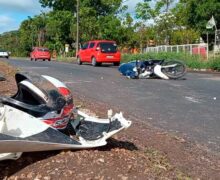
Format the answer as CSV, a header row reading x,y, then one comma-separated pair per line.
x,y
150,68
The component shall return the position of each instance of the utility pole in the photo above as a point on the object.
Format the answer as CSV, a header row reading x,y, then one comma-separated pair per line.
x,y
207,35
77,26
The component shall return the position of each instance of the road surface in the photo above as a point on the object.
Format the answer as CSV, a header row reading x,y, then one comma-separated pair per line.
x,y
190,107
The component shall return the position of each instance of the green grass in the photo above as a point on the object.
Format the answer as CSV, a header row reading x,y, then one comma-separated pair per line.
x,y
161,164
192,61
215,64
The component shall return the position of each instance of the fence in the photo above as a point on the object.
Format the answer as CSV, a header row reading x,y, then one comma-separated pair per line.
x,y
201,49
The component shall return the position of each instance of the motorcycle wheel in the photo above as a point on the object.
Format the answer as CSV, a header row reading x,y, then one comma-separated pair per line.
x,y
174,72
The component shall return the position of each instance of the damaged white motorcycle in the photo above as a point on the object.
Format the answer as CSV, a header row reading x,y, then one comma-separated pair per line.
x,y
41,116
153,68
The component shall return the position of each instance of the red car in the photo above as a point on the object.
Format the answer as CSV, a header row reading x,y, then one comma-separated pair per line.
x,y
98,52
40,53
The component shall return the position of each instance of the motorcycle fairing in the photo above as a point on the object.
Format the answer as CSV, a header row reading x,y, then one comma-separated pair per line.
x,y
130,69
22,132
159,73
92,128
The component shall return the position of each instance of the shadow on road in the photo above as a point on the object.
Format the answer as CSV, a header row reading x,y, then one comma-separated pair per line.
x,y
113,143
10,167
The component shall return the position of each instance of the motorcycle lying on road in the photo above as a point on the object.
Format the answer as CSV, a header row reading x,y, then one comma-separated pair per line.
x,y
150,68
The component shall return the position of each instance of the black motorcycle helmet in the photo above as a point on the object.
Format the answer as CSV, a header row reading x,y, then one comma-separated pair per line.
x,y
36,95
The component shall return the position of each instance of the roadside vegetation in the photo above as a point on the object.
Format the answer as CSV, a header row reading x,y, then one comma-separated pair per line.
x,y
192,61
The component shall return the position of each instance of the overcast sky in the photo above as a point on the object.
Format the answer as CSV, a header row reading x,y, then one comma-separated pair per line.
x,y
13,12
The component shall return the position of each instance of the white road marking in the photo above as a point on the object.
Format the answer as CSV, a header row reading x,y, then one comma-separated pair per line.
x,y
192,99
35,67
214,78
176,85
76,82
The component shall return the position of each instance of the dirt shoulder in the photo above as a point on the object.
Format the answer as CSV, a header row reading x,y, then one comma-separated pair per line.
x,y
7,87
141,152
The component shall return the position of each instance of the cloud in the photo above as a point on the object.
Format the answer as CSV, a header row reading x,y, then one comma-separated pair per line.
x,y
30,6
7,23
13,12
5,20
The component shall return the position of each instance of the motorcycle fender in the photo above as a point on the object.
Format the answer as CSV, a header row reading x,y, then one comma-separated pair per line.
x,y
159,73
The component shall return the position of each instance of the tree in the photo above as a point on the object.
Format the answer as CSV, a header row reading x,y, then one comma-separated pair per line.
x,y
184,36
164,20
144,11
66,5
198,13
58,29
26,36
170,20
97,17
10,42
102,8
163,5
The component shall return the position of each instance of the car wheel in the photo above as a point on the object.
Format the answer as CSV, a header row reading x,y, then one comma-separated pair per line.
x,y
43,59
94,63
48,59
79,62
7,57
31,59
35,59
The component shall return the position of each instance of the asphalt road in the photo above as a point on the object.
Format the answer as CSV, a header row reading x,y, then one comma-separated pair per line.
x,y
190,106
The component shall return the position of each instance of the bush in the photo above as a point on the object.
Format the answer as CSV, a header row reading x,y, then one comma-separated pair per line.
x,y
215,64
163,55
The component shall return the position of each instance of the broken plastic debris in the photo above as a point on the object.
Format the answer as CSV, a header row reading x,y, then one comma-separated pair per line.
x,y
21,132
45,119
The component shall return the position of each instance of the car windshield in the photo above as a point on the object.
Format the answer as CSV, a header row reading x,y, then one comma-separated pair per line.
x,y
1,50
108,47
43,49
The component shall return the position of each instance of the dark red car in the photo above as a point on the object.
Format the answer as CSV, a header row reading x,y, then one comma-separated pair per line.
x,y
40,53
98,52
